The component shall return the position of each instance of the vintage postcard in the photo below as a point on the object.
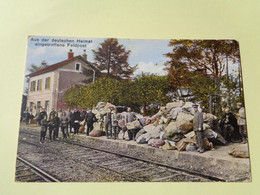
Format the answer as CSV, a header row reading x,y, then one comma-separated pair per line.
x,y
132,110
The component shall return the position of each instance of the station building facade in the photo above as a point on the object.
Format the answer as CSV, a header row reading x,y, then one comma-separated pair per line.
x,y
48,85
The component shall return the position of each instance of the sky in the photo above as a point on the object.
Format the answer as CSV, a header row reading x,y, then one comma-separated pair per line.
x,y
147,53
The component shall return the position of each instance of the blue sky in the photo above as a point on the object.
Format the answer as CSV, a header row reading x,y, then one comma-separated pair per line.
x,y
145,53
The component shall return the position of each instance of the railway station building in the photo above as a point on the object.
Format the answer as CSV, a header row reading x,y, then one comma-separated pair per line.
x,y
48,85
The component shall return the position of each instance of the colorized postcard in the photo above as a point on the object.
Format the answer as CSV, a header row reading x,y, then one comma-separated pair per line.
x,y
132,110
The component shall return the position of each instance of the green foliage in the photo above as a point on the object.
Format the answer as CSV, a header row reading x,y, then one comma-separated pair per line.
x,y
146,89
203,86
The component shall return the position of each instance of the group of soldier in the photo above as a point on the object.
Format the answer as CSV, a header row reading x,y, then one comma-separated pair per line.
x,y
229,123
68,120
64,120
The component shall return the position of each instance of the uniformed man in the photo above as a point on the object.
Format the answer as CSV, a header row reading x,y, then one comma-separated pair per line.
x,y
64,120
130,117
114,122
44,126
43,113
56,127
76,120
198,127
241,121
51,126
90,119
108,125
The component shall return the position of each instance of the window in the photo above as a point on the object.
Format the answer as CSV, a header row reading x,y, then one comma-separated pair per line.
x,y
31,106
39,85
48,83
32,88
38,106
77,67
47,104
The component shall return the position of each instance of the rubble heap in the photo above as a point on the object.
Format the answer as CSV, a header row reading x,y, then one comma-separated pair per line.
x,y
170,128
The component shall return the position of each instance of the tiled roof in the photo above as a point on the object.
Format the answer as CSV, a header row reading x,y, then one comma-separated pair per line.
x,y
58,65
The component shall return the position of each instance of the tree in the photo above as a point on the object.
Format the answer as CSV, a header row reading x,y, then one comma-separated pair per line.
x,y
111,58
208,56
34,68
150,89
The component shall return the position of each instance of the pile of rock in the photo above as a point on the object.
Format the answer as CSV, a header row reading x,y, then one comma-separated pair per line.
x,y
170,128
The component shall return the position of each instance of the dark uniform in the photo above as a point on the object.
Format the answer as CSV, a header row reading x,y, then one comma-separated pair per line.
x,y
229,127
56,127
42,115
90,119
51,126
75,120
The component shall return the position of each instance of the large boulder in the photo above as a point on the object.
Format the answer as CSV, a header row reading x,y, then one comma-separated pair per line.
x,y
171,129
169,145
99,126
171,105
157,143
188,108
133,125
183,143
100,105
184,118
153,133
186,128
240,151
174,113
96,133
109,106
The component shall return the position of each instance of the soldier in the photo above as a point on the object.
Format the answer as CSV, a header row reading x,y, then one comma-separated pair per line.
x,y
198,127
43,113
44,125
114,121
108,126
64,120
129,117
76,120
90,119
228,125
241,121
56,127
51,125
52,113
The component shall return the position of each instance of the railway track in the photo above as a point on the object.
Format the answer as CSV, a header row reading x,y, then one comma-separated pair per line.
x,y
73,162
28,172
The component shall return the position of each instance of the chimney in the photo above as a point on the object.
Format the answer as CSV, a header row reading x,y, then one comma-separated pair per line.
x,y
84,55
43,64
70,54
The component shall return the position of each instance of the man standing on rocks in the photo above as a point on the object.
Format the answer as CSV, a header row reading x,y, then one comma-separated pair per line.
x,y
241,121
198,127
90,119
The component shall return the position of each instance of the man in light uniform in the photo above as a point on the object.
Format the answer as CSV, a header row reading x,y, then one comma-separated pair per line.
x,y
198,127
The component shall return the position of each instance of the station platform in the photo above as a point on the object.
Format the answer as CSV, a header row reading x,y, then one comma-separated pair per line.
x,y
213,163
